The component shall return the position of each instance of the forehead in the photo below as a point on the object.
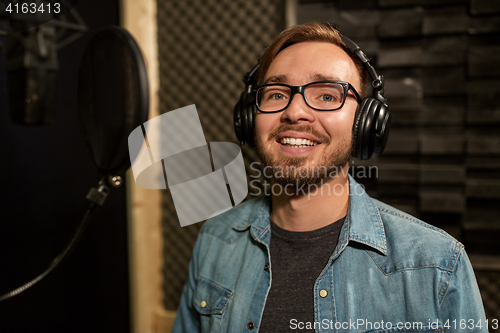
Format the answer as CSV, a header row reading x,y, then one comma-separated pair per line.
x,y
301,63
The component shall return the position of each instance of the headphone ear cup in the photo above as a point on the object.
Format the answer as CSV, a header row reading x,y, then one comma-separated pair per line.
x,y
360,114
250,112
238,120
382,127
244,114
364,128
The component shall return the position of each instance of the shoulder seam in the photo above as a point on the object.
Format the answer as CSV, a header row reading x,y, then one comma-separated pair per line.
x,y
419,222
445,269
455,258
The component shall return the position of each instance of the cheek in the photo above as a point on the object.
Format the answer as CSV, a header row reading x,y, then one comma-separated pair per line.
x,y
339,124
264,123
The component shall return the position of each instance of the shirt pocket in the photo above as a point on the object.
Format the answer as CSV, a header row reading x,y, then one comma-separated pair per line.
x,y
210,298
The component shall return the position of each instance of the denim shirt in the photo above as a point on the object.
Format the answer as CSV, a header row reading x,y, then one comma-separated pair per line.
x,y
390,272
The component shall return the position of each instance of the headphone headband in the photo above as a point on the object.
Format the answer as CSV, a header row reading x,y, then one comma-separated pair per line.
x,y
377,80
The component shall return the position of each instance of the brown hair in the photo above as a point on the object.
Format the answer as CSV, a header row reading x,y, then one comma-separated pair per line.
x,y
309,32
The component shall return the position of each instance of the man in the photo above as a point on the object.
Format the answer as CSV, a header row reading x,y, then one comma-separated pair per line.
x,y
321,255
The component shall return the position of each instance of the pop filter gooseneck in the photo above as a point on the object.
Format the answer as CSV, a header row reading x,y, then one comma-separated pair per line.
x,y
113,99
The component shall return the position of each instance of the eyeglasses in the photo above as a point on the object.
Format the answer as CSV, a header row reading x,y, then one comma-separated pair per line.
x,y
320,95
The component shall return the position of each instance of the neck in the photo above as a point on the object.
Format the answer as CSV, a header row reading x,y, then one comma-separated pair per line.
x,y
313,206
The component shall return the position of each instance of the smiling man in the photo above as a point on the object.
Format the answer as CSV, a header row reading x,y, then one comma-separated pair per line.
x,y
336,260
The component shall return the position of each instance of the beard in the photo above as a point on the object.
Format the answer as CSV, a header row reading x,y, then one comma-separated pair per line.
x,y
299,171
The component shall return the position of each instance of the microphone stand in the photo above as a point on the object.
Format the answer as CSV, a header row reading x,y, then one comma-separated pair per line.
x,y
96,197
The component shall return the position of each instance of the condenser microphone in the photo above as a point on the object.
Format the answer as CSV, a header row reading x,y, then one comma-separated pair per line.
x,y
31,57
31,64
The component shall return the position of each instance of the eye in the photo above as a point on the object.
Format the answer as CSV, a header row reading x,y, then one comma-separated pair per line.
x,y
327,98
277,96
325,94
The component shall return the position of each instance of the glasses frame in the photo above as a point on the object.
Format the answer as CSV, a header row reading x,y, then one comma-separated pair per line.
x,y
301,90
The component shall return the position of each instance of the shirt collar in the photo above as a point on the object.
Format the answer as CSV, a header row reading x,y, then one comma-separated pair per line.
x,y
258,219
363,223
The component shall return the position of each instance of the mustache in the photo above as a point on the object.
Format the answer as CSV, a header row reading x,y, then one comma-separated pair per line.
x,y
308,129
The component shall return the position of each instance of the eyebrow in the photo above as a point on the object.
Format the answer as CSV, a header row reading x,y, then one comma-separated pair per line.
x,y
316,77
276,79
321,77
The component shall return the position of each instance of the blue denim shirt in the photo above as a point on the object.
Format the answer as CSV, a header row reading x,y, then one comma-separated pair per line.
x,y
390,272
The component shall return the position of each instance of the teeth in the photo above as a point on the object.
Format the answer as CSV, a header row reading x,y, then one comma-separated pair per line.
x,y
297,142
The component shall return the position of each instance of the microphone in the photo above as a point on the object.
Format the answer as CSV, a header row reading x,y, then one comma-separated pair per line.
x,y
31,74
31,58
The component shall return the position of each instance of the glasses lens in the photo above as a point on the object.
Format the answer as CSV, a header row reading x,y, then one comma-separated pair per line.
x,y
325,96
273,98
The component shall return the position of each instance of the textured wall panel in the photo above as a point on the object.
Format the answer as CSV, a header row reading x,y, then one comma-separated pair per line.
x,y
483,106
398,173
445,51
358,23
404,3
442,174
478,7
483,61
441,202
480,142
395,3
401,23
409,56
443,111
444,81
205,48
403,141
483,188
484,25
445,20
489,284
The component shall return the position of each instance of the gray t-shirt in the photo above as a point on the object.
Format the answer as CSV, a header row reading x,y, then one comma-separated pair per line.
x,y
297,259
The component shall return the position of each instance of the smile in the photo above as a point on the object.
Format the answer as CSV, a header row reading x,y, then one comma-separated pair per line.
x,y
297,142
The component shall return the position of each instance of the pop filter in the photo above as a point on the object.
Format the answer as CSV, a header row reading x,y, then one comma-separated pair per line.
x,y
113,97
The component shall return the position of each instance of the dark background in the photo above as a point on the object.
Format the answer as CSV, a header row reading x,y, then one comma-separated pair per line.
x,y
45,174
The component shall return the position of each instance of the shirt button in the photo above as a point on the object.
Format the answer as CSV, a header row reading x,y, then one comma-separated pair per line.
x,y
203,304
266,267
323,293
250,326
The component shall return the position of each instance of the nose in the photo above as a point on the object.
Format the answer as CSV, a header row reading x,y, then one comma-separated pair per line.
x,y
298,111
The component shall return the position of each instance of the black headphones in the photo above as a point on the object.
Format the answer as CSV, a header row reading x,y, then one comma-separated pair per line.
x,y
372,122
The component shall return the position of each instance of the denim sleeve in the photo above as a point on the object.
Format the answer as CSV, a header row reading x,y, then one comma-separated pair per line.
x,y
187,319
461,307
